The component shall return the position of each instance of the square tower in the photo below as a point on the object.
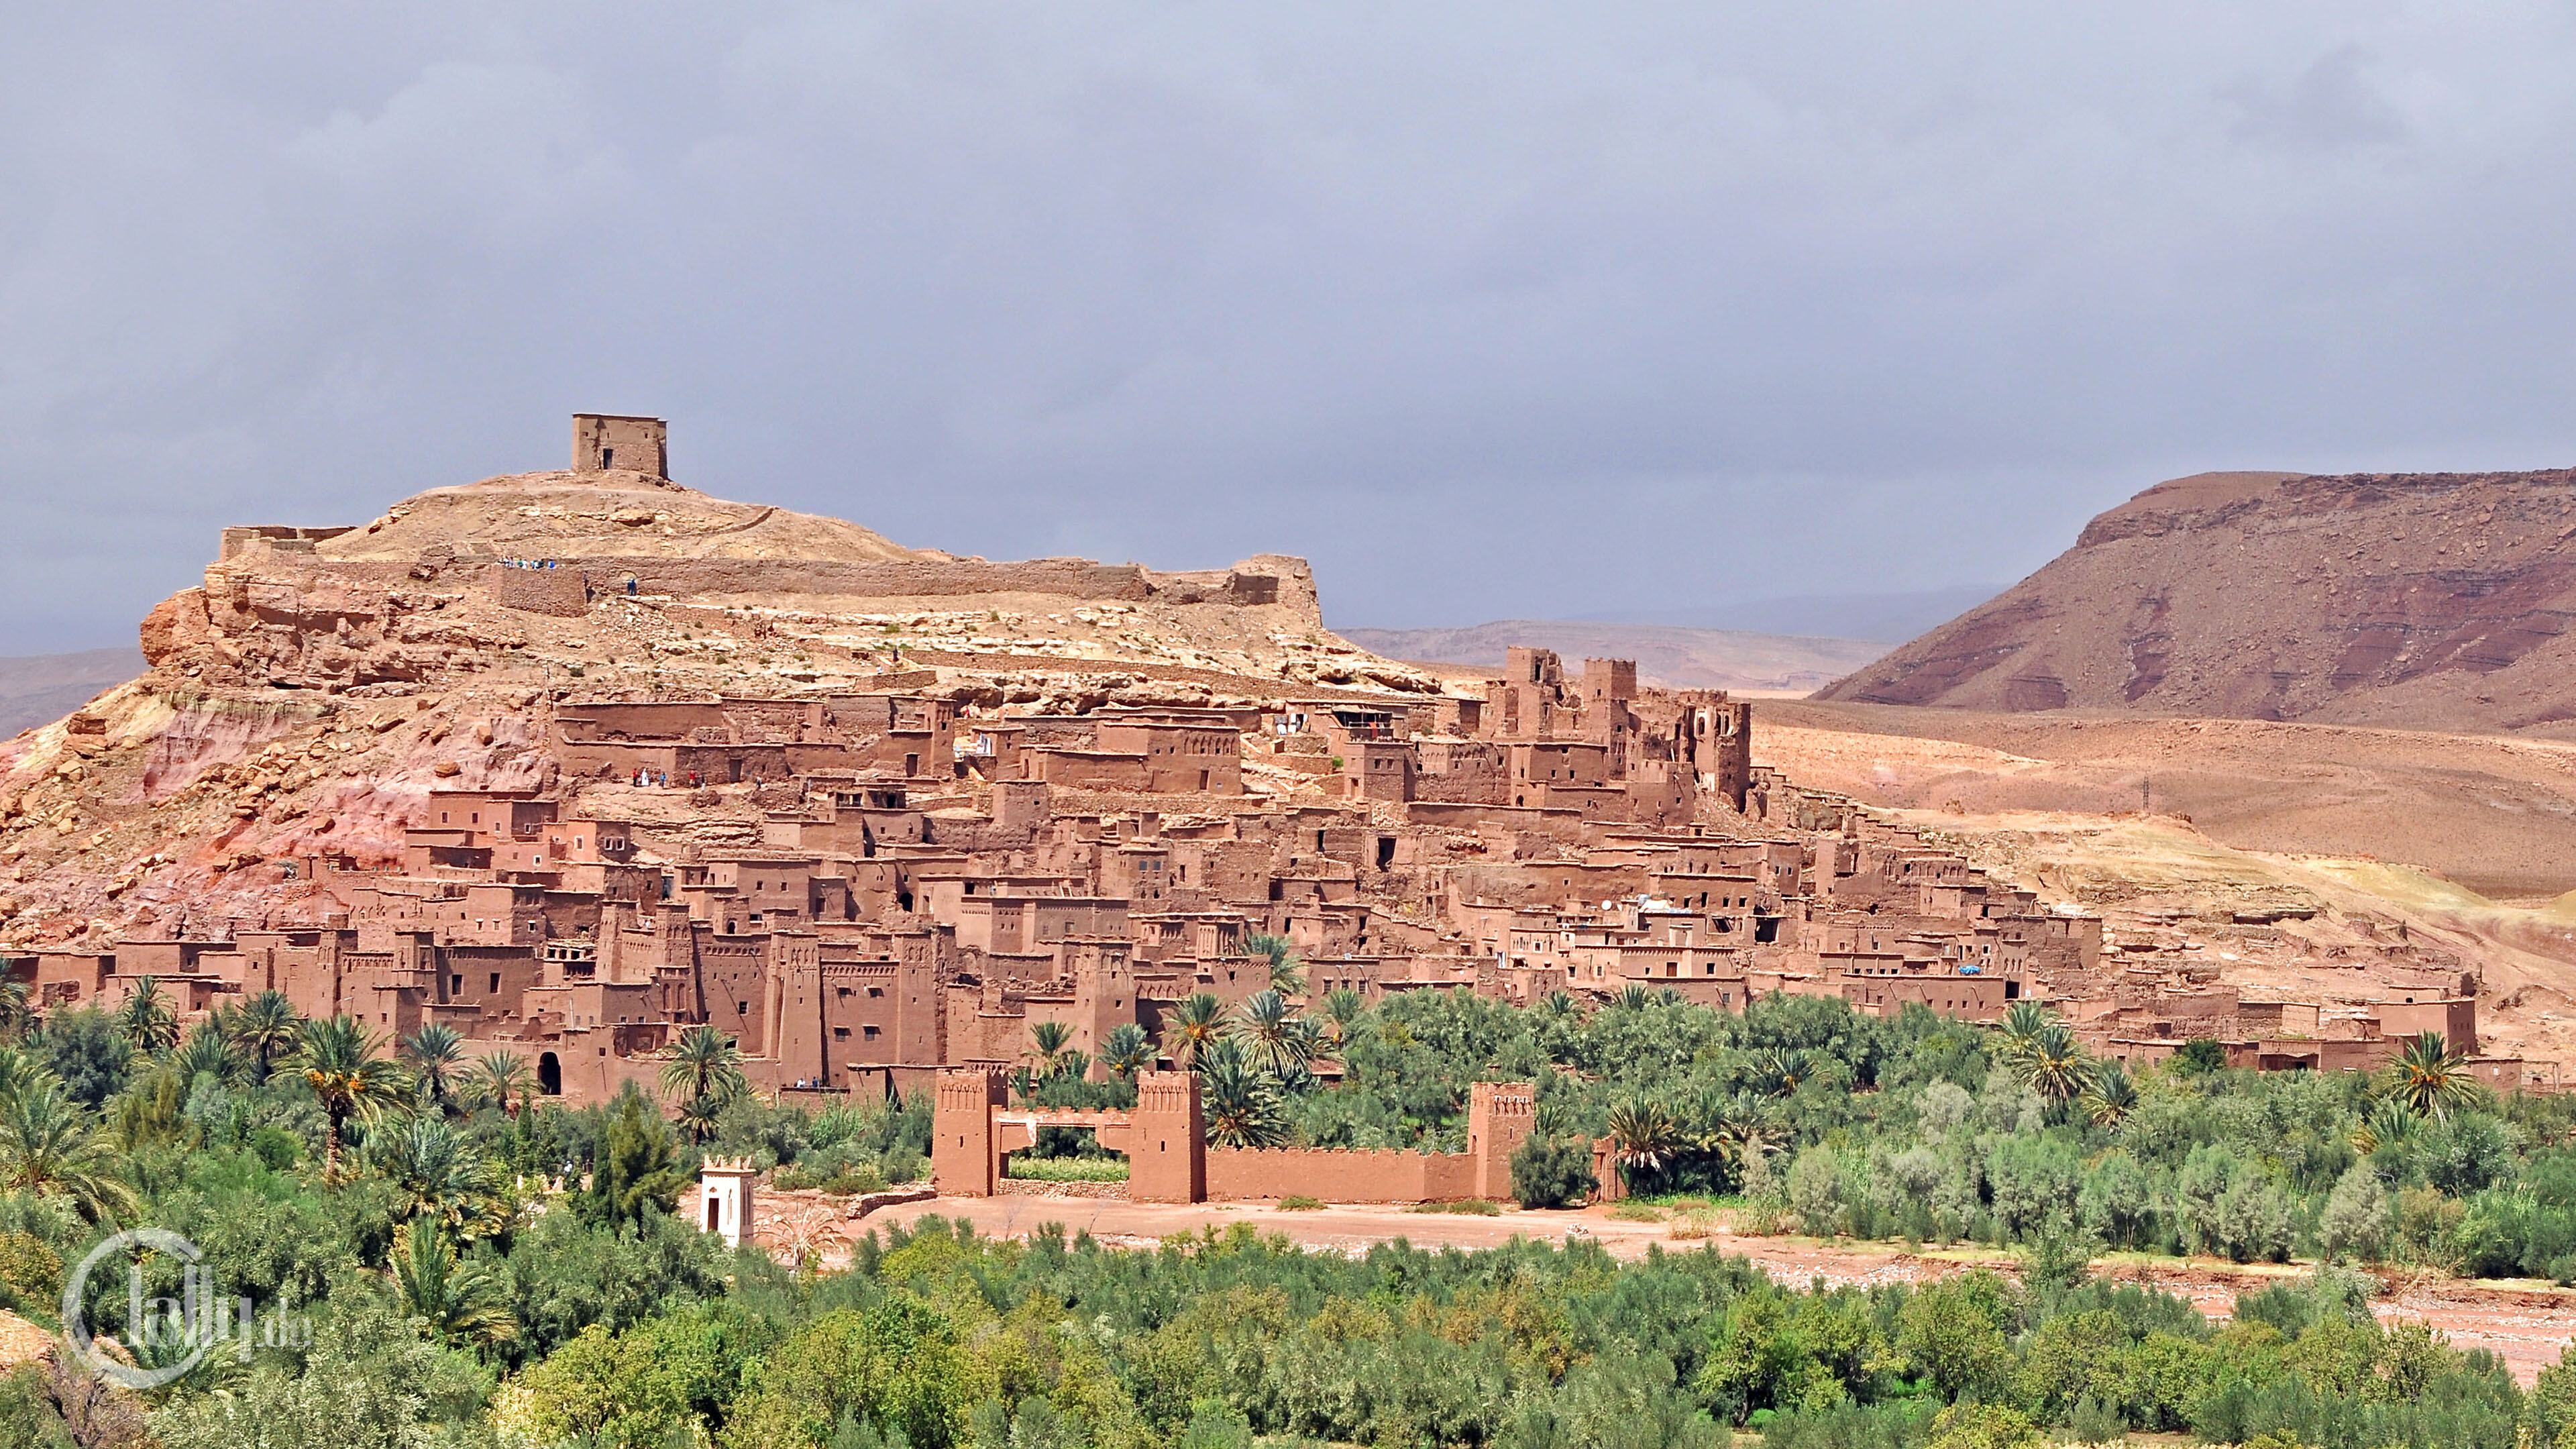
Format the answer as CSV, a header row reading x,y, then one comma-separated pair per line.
x,y
609,440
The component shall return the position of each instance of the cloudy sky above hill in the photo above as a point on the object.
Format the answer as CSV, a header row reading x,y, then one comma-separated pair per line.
x,y
1490,310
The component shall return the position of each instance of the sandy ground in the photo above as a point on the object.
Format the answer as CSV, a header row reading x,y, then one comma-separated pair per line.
x,y
2525,1324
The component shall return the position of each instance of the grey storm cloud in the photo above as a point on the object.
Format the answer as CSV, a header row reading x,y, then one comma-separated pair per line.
x,y
1491,310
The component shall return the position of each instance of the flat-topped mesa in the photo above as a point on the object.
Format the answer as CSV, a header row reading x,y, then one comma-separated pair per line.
x,y
455,577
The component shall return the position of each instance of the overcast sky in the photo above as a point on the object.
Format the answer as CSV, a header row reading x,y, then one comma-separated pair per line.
x,y
1491,311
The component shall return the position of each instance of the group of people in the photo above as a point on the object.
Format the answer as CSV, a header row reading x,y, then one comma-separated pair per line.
x,y
658,779
529,563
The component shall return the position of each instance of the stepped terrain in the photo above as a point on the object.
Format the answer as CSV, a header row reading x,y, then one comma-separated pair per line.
x,y
321,681
2422,601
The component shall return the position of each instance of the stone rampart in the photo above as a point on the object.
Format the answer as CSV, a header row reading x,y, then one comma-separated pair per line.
x,y
1340,1176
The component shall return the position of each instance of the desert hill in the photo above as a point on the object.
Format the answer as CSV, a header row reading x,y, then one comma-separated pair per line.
x,y
2424,601
307,696
1677,658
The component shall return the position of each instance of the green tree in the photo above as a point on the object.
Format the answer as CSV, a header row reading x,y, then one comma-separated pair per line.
x,y
145,1019
1269,1032
2357,1218
206,1052
439,1174
702,1070
459,1302
1287,972
436,1056
2109,1096
47,1147
2431,1079
636,1167
1194,1024
1127,1051
267,1028
1050,1038
340,1062
2053,1064
897,1367
1953,1332
1643,1138
1552,1172
1241,1101
501,1080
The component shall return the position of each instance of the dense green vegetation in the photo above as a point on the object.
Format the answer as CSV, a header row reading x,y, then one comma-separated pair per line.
x,y
481,1266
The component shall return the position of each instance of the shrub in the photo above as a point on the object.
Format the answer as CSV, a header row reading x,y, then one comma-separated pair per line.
x,y
1472,1206
2357,1220
1630,1210
1298,1202
1552,1172
1815,1189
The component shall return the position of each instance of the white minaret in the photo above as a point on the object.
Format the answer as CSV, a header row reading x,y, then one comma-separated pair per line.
x,y
724,1199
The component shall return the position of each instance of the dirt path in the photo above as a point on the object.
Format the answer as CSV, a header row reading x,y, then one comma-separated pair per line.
x,y
2524,1324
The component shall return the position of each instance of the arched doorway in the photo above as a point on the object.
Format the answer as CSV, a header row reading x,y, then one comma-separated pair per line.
x,y
549,1075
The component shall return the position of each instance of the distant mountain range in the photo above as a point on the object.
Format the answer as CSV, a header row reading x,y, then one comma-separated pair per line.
x,y
38,689
1678,657
1885,617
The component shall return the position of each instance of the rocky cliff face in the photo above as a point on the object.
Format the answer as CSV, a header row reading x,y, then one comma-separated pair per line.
x,y
306,698
2434,601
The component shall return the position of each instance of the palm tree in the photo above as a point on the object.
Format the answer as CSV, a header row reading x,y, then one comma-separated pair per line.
x,y
20,1072
1242,1102
1051,1038
2054,1065
704,1064
2110,1096
699,1118
1779,1071
704,1071
1287,973
2021,1026
436,1055
267,1027
340,1062
1342,1007
15,1017
2388,1123
1194,1025
1127,1050
500,1079
1633,997
439,1173
1270,1035
1643,1136
2431,1079
46,1147
145,1020
207,1051
458,1301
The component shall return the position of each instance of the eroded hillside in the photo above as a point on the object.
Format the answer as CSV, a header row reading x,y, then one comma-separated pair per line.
x,y
2430,601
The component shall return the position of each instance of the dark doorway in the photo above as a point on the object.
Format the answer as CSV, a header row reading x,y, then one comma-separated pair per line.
x,y
549,1075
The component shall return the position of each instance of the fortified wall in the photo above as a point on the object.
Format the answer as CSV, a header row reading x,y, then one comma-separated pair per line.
x,y
974,1131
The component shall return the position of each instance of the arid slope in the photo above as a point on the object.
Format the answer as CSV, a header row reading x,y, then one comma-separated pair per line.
x,y
2430,601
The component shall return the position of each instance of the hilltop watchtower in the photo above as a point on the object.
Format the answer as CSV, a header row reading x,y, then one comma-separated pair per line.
x,y
609,440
